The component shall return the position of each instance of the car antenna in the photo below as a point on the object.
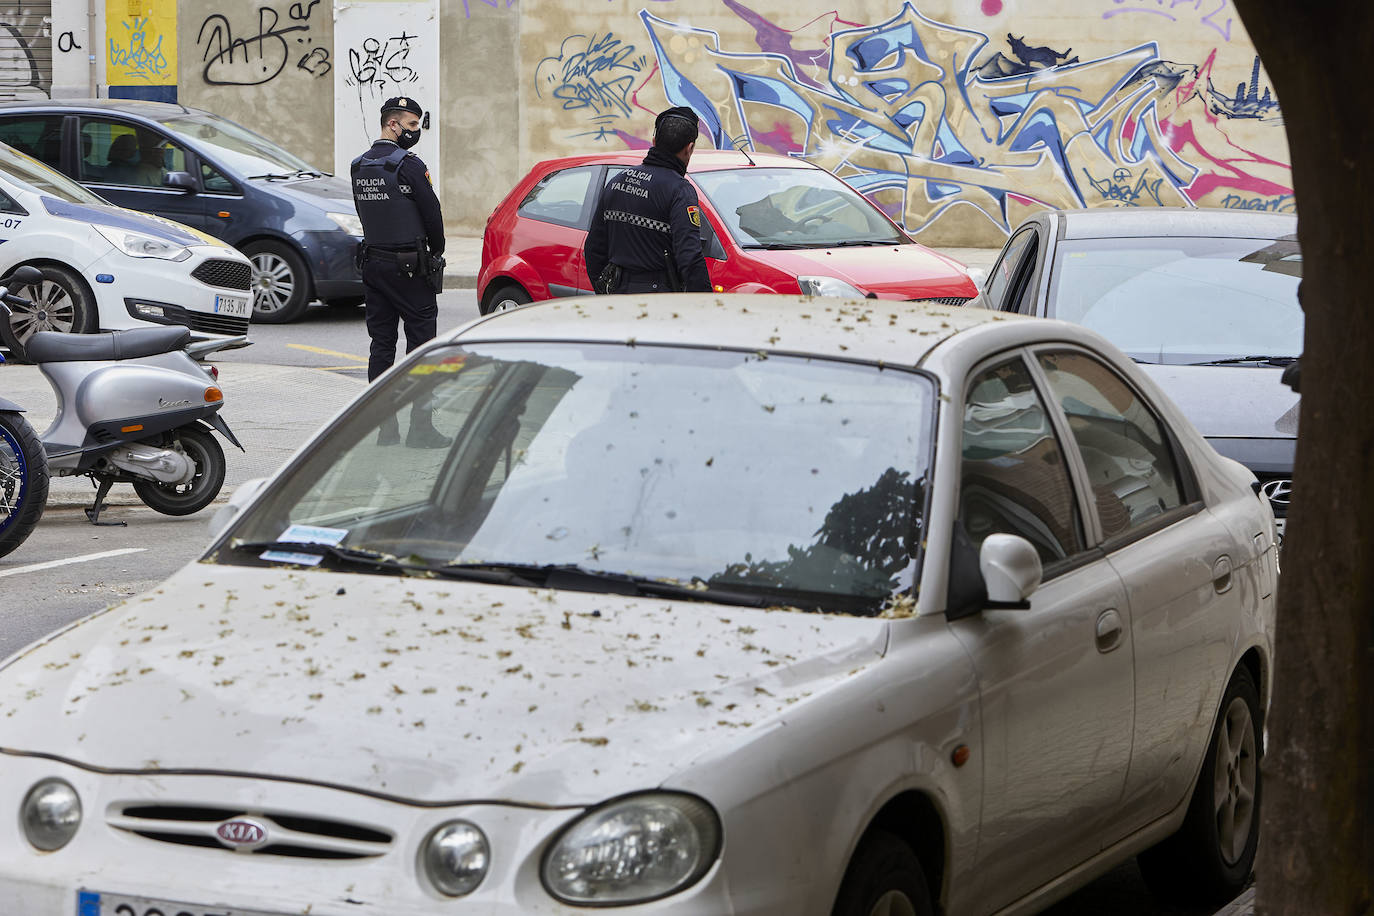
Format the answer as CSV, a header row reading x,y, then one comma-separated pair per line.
x,y
740,145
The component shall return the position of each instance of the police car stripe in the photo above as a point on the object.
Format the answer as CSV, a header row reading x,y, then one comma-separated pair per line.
x,y
635,219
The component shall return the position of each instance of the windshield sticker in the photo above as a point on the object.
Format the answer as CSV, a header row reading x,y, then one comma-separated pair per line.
x,y
448,364
304,534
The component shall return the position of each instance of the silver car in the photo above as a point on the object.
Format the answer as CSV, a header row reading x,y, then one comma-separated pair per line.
x,y
1206,300
737,604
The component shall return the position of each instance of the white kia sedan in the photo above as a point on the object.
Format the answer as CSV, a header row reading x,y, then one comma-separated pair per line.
x,y
687,605
106,268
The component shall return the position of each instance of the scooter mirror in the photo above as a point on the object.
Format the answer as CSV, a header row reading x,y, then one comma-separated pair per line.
x,y
24,276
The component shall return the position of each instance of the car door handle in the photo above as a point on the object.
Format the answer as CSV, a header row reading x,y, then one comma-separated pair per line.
x,y
1221,574
1109,630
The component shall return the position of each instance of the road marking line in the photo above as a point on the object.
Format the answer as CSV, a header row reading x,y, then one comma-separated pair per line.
x,y
357,368
70,560
323,352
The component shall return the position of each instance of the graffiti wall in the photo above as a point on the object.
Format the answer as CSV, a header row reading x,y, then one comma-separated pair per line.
x,y
267,64
386,49
141,49
25,50
956,118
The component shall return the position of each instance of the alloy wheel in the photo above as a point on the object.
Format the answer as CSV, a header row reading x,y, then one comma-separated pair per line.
x,y
50,309
273,281
1235,778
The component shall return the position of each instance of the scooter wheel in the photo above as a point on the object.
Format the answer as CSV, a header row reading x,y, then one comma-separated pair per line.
x,y
184,499
23,480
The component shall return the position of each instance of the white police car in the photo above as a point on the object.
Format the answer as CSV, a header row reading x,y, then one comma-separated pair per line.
x,y
105,267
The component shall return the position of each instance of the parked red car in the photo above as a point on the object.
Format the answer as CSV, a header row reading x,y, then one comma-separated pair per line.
x,y
773,225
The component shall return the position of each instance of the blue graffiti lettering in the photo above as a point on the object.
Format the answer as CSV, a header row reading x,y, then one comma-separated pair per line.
x,y
137,60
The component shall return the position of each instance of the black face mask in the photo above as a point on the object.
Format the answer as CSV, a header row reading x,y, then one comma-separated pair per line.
x,y
408,138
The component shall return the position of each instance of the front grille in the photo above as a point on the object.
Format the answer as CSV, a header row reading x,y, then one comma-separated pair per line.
x,y
213,324
292,835
208,322
943,300
224,273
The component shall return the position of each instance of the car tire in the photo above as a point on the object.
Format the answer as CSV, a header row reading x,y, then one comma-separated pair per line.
x,y
281,283
1210,858
883,879
23,480
61,301
504,297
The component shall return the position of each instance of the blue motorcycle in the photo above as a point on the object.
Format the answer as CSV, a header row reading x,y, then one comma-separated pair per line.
x,y
23,476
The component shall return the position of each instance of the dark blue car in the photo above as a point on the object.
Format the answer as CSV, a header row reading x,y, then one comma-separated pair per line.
x,y
296,224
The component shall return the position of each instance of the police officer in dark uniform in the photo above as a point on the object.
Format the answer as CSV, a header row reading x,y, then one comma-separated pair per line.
x,y
401,254
645,235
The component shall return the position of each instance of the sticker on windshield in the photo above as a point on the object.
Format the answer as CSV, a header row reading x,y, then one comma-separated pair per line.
x,y
448,364
304,534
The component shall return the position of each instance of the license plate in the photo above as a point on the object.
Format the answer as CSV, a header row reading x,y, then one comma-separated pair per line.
x,y
235,306
93,903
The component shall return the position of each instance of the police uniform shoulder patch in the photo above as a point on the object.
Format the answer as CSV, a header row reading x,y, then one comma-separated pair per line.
x,y
694,214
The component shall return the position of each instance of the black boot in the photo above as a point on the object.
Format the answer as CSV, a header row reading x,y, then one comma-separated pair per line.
x,y
422,433
390,432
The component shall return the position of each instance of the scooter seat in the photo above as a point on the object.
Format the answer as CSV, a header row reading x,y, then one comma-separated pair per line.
x,y
56,347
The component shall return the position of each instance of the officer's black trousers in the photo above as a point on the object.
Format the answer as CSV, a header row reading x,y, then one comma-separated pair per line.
x,y
392,296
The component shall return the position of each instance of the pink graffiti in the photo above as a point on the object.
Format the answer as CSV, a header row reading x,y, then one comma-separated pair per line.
x,y
779,139
991,7
1142,6
774,39
1231,170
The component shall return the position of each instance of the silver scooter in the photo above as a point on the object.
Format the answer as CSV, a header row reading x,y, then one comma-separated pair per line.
x,y
133,406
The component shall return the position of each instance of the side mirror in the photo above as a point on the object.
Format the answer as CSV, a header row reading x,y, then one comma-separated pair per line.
x,y
1011,569
242,496
182,181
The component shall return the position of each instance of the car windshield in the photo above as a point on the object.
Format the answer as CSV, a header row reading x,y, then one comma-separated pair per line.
x,y
798,481
1183,300
794,208
236,147
37,177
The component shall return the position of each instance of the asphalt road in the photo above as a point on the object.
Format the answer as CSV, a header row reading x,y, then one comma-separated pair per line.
x,y
68,568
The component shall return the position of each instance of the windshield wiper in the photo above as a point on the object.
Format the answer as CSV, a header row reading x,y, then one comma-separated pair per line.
x,y
309,173
578,578
861,243
273,176
1266,360
779,246
380,562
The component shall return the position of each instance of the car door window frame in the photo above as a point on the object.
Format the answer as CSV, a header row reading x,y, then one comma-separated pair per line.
x,y
1088,532
584,217
1190,491
1011,273
138,129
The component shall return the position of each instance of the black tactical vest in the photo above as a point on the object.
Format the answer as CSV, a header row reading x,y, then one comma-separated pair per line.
x,y
390,219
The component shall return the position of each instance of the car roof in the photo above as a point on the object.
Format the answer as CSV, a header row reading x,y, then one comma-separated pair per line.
x,y
1136,222
118,106
706,160
892,333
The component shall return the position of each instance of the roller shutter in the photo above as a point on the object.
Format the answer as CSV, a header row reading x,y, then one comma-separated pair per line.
x,y
25,49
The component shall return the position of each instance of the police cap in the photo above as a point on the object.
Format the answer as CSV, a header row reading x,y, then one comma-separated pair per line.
x,y
403,103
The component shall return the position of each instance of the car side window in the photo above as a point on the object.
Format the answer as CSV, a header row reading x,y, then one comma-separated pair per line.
x,y
1014,479
116,152
1131,466
39,136
1007,268
560,197
214,180
1021,297
8,205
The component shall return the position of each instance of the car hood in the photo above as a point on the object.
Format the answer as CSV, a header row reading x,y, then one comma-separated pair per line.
x,y
890,271
1231,401
330,193
421,689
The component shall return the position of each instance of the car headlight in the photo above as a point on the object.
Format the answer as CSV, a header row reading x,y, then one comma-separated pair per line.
x,y
139,245
829,286
633,850
50,814
348,222
455,858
